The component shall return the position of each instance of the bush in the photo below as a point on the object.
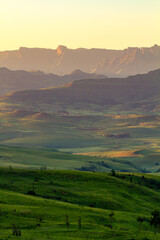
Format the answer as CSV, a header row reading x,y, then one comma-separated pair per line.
x,y
31,192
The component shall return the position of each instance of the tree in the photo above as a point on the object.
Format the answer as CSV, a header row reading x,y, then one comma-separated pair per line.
x,y
79,223
31,192
67,222
113,173
43,168
16,231
155,220
140,220
111,215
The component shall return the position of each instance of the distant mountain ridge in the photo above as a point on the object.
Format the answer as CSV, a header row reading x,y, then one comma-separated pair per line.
x,y
21,80
135,92
61,61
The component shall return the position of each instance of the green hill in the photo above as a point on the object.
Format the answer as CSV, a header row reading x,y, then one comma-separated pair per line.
x,y
128,143
37,202
38,157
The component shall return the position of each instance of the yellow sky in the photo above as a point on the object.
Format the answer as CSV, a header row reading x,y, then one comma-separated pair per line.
x,y
87,23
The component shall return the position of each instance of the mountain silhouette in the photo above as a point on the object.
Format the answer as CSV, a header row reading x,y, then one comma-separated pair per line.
x,y
141,91
21,80
62,61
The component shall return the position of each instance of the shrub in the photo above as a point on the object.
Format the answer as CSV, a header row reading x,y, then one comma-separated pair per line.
x,y
31,192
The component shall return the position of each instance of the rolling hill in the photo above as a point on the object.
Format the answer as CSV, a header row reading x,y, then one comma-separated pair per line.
x,y
135,93
102,61
97,205
21,80
37,157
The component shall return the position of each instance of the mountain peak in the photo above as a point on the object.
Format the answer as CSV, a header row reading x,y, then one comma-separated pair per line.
x,y
4,69
23,48
61,49
77,72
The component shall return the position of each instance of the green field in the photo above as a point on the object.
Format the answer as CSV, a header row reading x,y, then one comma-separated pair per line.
x,y
34,137
108,206
38,157
47,145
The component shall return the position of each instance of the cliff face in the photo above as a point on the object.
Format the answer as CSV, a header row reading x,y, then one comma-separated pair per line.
x,y
63,60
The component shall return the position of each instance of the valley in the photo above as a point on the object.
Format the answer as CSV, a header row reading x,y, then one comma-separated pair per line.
x,y
79,120
99,143
102,124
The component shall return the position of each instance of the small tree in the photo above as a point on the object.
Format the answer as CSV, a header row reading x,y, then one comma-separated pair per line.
x,y
43,168
67,222
19,232
155,220
140,220
79,223
10,168
113,173
130,179
31,192
16,231
111,215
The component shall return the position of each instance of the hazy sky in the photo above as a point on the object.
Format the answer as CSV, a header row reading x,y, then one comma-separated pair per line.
x,y
79,23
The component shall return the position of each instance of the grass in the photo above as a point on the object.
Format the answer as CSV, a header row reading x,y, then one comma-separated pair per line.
x,y
36,157
88,189
82,134
92,196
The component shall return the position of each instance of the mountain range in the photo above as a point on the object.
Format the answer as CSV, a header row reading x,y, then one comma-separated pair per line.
x,y
141,91
62,61
21,80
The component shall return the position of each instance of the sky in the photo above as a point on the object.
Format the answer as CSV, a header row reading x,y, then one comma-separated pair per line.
x,y
111,24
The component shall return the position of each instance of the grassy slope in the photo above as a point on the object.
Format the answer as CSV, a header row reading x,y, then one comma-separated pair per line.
x,y
36,157
90,189
128,200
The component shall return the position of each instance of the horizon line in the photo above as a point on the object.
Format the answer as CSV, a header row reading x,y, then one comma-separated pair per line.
x,y
64,46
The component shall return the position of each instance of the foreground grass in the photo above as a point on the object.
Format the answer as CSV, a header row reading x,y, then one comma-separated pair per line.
x,y
91,196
